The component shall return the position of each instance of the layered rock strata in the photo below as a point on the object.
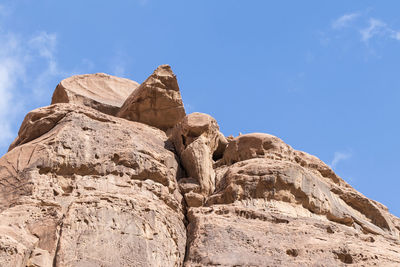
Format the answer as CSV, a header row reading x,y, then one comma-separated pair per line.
x,y
276,206
152,186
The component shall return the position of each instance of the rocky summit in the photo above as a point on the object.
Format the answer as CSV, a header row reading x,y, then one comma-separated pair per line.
x,y
114,173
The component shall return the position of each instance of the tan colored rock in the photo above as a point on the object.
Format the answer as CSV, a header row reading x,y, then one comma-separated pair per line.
x,y
261,145
197,140
264,235
188,185
194,199
256,145
197,125
276,206
100,91
79,187
197,161
90,190
284,181
156,102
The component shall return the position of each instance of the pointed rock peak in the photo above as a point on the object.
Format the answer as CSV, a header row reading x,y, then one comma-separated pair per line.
x,y
164,70
100,91
164,77
156,102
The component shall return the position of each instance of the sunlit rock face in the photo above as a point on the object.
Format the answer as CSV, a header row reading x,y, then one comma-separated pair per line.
x,y
116,174
100,91
156,102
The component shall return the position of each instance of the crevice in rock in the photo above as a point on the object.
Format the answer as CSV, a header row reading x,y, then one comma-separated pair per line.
x,y
186,222
61,225
58,244
185,208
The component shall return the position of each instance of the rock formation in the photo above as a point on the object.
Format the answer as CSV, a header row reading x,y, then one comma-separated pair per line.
x,y
115,174
156,102
100,91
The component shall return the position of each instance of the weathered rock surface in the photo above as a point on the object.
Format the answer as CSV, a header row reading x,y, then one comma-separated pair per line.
x,y
197,138
88,189
100,91
156,102
257,234
79,187
276,206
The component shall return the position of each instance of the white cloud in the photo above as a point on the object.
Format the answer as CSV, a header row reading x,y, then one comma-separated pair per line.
x,y
338,157
12,69
344,20
25,63
375,27
45,44
8,68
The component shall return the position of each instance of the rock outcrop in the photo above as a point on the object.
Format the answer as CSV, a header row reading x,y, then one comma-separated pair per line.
x,y
197,138
88,189
100,91
80,187
156,102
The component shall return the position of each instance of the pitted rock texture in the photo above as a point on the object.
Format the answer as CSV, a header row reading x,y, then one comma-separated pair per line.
x,y
80,187
275,206
100,91
267,168
256,234
156,102
91,190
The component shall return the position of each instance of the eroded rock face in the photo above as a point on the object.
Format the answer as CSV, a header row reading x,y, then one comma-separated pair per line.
x,y
156,102
100,91
90,190
197,138
79,187
257,234
276,206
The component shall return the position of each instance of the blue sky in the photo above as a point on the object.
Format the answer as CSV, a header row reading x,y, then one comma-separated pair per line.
x,y
323,76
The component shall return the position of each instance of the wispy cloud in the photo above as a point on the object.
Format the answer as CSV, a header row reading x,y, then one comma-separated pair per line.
x,y
45,45
375,27
24,63
378,28
338,157
8,69
11,70
344,20
367,27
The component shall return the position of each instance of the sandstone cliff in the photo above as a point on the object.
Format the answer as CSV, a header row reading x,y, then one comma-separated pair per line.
x,y
114,173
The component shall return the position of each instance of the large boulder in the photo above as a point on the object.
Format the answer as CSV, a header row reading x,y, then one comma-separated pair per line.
x,y
100,91
156,102
81,188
